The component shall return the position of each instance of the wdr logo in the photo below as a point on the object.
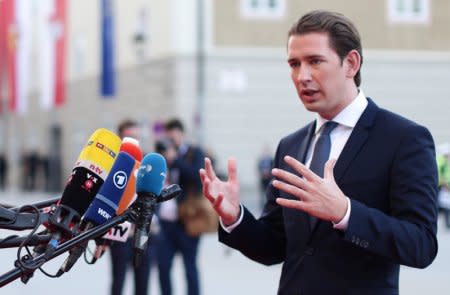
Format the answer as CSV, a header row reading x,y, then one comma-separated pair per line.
x,y
103,213
120,179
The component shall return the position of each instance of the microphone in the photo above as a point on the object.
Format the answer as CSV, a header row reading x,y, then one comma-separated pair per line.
x,y
121,231
131,146
91,168
105,203
149,183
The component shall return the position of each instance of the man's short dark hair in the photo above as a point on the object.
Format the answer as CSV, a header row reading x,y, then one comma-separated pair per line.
x,y
125,124
343,34
174,124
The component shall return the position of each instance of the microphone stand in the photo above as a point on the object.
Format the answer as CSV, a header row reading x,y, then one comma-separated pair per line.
x,y
34,240
24,272
12,219
41,204
28,265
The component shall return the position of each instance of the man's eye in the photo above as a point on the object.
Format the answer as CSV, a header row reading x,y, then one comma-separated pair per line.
x,y
294,64
316,61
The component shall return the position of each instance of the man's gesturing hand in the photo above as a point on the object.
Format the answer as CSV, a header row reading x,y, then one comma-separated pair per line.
x,y
224,196
319,197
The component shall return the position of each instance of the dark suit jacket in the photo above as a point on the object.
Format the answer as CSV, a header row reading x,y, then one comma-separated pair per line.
x,y
186,166
388,170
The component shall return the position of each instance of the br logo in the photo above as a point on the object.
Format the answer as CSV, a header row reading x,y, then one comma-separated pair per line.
x,y
120,179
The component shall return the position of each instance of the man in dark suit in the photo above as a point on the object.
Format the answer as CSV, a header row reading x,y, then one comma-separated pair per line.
x,y
344,226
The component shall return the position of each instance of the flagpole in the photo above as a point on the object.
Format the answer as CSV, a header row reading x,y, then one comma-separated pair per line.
x,y
200,75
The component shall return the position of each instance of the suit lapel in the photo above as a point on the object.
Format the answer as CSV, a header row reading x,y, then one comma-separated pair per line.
x,y
352,147
356,140
301,156
299,151
354,144
303,149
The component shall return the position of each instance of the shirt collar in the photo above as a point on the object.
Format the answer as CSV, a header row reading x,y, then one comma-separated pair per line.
x,y
349,116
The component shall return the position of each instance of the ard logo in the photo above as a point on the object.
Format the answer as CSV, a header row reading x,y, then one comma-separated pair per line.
x,y
120,179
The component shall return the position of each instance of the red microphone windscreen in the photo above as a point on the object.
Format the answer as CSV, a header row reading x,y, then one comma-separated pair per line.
x,y
131,146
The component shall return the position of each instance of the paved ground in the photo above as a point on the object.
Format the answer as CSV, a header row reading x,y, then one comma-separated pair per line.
x,y
222,271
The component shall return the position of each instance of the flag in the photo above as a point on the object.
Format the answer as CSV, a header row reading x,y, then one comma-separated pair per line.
x,y
16,31
3,49
108,85
52,26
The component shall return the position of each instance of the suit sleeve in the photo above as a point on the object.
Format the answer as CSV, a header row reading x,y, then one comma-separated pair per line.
x,y
262,240
407,233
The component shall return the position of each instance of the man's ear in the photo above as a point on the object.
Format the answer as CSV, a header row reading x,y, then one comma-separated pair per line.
x,y
352,63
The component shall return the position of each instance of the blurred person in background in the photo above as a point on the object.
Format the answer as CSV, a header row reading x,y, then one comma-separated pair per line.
x,y
31,163
45,167
3,171
183,160
122,253
355,191
265,165
443,163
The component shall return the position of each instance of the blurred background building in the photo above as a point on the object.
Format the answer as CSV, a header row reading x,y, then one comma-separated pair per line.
x,y
218,65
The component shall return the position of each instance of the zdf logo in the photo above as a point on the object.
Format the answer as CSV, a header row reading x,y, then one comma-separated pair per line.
x,y
120,179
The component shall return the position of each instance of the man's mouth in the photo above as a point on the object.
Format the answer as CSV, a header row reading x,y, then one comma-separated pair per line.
x,y
308,92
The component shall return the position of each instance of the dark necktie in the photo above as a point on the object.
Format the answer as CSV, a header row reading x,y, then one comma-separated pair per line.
x,y
322,149
321,154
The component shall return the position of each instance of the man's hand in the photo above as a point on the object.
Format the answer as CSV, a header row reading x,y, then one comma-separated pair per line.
x,y
319,197
224,196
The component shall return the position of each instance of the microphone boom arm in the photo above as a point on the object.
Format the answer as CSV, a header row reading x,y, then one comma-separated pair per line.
x,y
14,220
131,214
83,237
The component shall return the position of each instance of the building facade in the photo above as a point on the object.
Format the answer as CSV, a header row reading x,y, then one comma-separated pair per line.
x,y
221,66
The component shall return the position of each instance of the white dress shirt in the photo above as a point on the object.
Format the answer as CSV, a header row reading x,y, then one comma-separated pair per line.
x,y
339,136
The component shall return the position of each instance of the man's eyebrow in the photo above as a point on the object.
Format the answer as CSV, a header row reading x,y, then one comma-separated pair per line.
x,y
292,59
315,56
312,56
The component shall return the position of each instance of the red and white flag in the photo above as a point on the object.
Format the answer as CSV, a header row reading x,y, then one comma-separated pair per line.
x,y
16,27
52,26
3,50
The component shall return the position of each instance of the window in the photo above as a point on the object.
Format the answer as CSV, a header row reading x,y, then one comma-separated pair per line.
x,y
408,11
262,9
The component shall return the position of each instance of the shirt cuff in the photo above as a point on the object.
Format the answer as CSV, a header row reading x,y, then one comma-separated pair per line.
x,y
343,224
230,228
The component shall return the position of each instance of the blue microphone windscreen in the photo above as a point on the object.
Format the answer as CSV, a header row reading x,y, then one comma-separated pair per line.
x,y
151,174
105,203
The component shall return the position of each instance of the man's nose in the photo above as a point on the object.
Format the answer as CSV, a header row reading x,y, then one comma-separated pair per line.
x,y
304,74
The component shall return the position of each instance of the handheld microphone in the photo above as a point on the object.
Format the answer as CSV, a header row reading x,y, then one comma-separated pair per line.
x,y
131,146
105,203
121,231
149,183
91,168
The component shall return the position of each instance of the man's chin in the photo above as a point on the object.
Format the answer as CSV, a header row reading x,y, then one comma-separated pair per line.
x,y
312,106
